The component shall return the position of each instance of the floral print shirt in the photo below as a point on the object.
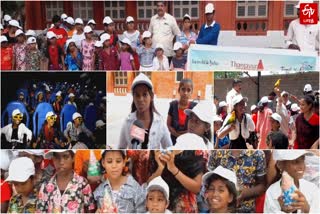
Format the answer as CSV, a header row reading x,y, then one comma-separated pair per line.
x,y
16,204
248,166
19,53
77,197
88,52
33,60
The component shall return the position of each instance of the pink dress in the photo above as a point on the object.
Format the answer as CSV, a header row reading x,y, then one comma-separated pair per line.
x,y
19,53
88,55
125,60
263,126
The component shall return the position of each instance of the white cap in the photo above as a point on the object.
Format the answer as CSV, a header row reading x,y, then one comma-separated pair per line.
x,y
283,93
295,107
63,16
276,117
107,20
31,33
71,95
49,154
14,23
70,20
31,40
100,123
264,99
129,19
146,34
238,98
58,93
87,29
281,155
5,159
1,26
253,107
204,110
217,118
209,8
189,141
126,41
15,112
76,115
18,32
21,169
307,88
98,44
141,79
69,41
49,114
4,39
7,18
104,37
51,35
222,172
37,152
159,184
187,16
159,46
78,21
177,46
303,1
91,21
222,104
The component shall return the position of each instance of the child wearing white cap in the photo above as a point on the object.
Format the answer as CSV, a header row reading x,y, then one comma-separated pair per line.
x,y
71,100
157,200
98,46
120,192
6,157
219,143
187,36
16,134
160,61
87,50
12,27
263,121
78,35
19,51
109,28
54,52
21,175
305,198
146,52
155,134
126,56
109,57
220,190
131,33
66,191
73,60
179,60
6,54
33,55
222,110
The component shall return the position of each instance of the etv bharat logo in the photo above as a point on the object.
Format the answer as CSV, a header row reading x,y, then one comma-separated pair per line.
x,y
308,13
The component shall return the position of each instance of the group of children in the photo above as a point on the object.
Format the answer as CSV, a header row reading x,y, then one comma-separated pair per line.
x,y
103,181
274,123
51,100
70,45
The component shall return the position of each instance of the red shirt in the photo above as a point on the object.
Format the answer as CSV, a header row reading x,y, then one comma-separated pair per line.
x,y
6,58
254,118
62,36
5,191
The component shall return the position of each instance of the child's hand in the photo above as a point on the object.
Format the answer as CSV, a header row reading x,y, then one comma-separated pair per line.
x,y
157,155
286,209
301,202
168,158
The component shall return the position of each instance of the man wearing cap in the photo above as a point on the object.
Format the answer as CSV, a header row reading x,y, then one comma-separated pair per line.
x,y
13,27
209,32
61,33
6,54
164,28
16,134
302,37
236,90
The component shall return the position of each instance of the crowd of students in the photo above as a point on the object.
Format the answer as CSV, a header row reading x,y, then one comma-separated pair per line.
x,y
280,120
155,181
18,133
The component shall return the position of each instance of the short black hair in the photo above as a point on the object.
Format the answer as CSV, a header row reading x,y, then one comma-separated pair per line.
x,y
278,140
56,19
272,93
163,2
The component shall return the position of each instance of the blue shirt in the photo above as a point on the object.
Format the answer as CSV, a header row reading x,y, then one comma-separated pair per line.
x,y
71,63
145,56
221,142
209,34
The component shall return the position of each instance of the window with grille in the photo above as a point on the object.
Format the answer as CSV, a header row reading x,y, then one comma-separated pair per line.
x,y
180,8
252,9
83,10
146,9
115,9
289,8
53,8
179,76
121,78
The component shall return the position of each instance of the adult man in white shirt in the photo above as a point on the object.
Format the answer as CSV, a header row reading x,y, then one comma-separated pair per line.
x,y
302,37
164,28
236,90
